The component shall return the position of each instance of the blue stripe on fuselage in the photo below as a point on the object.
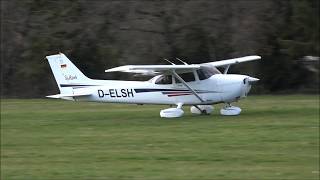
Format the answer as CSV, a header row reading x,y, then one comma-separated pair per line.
x,y
157,90
166,91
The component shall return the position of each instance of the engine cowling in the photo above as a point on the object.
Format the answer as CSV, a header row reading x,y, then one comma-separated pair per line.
x,y
248,82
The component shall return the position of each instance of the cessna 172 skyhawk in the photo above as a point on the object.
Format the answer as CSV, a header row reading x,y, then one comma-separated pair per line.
x,y
198,85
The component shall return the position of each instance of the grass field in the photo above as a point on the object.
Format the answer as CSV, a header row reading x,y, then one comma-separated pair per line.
x,y
275,137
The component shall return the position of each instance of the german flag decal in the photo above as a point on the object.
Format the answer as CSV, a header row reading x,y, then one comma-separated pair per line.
x,y
63,65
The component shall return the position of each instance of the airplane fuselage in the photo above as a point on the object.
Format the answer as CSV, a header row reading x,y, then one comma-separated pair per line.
x,y
216,89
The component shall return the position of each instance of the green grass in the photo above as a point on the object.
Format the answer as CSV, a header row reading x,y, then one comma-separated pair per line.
x,y
275,137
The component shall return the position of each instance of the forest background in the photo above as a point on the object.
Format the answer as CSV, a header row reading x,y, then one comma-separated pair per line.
x,y
97,35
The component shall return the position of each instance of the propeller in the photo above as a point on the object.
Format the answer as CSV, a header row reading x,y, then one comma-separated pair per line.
x,y
252,80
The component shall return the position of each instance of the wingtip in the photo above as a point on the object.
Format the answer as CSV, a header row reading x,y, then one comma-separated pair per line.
x,y
111,70
253,57
258,57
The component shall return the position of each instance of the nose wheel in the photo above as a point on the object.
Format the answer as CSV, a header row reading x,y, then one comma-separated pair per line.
x,y
229,110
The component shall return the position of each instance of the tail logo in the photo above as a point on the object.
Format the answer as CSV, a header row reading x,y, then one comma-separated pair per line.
x,y
70,77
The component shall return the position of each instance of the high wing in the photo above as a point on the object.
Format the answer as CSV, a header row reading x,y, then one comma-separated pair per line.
x,y
163,69
154,69
232,61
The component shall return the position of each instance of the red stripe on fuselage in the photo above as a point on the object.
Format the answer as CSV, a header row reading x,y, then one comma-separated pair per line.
x,y
178,94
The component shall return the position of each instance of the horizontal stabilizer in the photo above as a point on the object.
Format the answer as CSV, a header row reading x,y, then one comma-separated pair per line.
x,y
75,94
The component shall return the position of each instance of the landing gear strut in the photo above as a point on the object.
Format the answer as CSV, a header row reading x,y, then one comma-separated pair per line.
x,y
201,109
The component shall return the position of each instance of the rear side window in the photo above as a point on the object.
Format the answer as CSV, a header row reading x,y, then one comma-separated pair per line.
x,y
164,79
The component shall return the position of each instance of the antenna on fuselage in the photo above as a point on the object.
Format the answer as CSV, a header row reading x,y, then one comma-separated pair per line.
x,y
169,61
182,61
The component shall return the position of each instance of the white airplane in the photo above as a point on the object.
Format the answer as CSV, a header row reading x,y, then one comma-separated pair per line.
x,y
198,85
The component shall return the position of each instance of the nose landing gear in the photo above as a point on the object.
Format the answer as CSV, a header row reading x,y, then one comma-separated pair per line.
x,y
229,110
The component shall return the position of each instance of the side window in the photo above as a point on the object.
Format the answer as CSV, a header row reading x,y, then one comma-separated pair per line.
x,y
187,77
164,79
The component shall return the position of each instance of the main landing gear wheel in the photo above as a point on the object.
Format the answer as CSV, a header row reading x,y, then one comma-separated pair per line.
x,y
172,112
229,110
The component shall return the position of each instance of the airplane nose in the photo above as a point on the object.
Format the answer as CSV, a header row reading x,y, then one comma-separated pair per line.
x,y
247,82
252,80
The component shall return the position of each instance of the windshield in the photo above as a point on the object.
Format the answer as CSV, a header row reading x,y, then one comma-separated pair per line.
x,y
206,72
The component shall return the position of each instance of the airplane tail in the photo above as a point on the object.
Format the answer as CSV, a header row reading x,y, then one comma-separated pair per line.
x,y
67,75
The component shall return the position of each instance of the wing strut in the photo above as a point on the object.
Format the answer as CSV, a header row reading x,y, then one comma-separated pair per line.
x,y
185,84
226,69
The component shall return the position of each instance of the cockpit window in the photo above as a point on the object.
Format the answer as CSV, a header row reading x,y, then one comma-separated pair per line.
x,y
206,72
164,79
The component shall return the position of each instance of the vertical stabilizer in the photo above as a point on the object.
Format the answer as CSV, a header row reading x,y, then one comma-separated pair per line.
x,y
66,73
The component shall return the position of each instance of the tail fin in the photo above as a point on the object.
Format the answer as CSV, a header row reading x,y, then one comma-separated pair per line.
x,y
66,73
